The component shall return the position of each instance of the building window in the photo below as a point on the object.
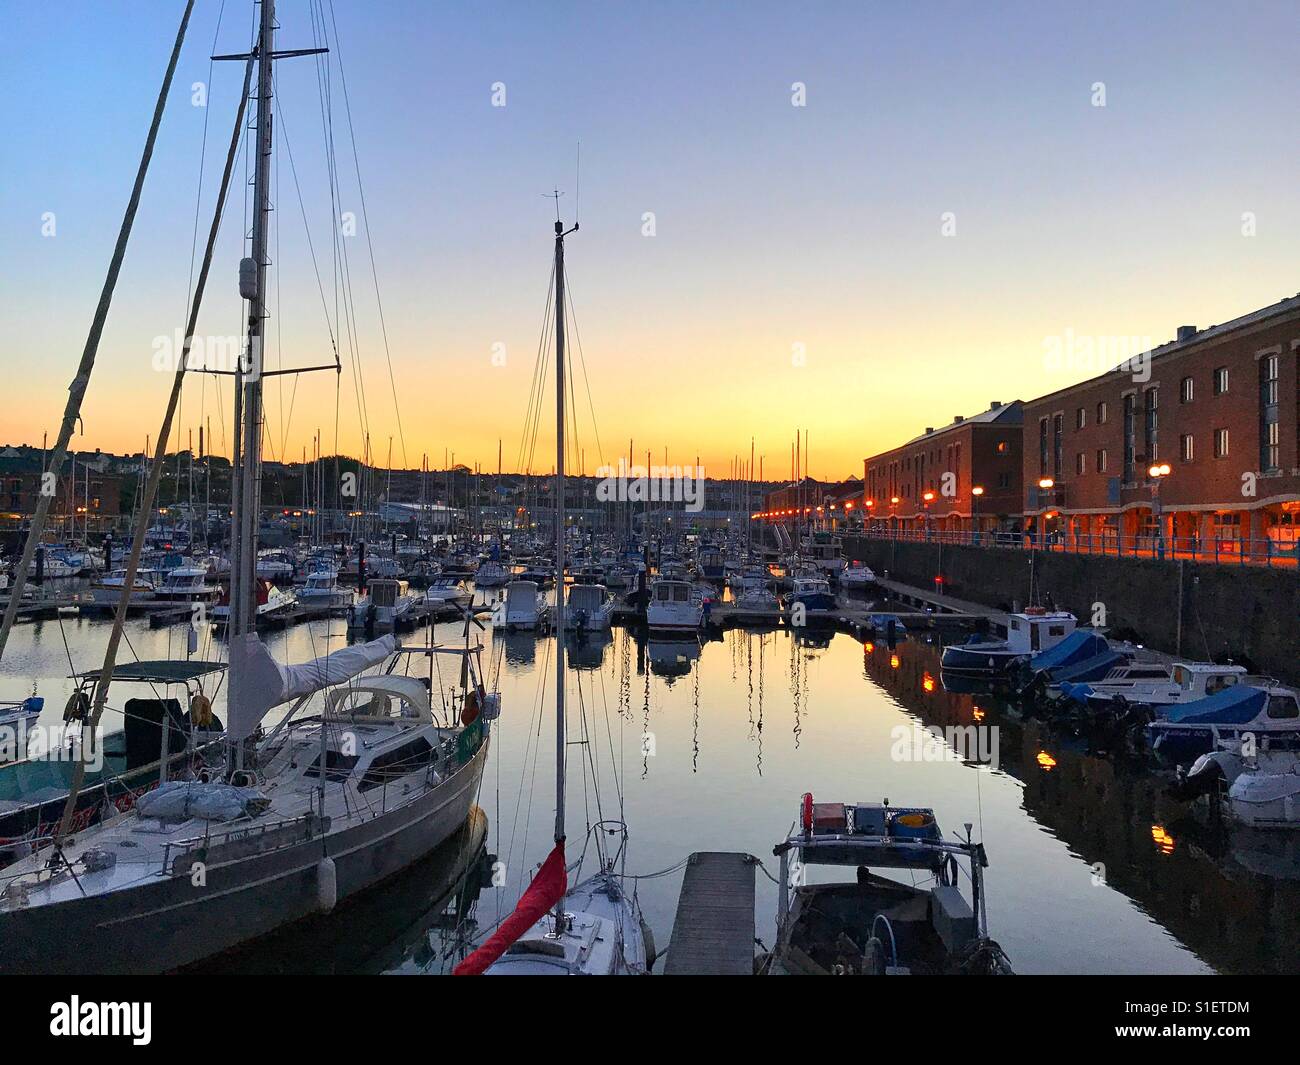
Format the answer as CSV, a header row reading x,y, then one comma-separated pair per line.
x,y
1080,418
1057,434
1130,436
1220,380
1101,460
1220,443
1102,412
1187,447
1150,426
1004,480
1270,456
1080,464
1187,390
1042,446
1002,447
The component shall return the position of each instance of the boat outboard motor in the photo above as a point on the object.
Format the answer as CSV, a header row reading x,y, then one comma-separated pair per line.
x,y
1210,774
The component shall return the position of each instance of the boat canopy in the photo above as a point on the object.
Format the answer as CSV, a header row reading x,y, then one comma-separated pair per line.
x,y
262,683
1079,645
1236,705
161,671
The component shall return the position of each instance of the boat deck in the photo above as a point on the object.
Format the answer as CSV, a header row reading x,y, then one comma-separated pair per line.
x,y
713,934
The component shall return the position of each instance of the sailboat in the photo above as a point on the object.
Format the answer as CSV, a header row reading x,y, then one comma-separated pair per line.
x,y
329,803
594,927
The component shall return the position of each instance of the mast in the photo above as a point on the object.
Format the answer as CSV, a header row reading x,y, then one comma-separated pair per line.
x,y
248,380
560,742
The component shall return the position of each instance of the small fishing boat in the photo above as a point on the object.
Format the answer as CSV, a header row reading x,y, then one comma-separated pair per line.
x,y
674,604
876,925
1028,633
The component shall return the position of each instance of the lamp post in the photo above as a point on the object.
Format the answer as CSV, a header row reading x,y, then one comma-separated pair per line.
x,y
1157,474
975,494
928,497
1045,484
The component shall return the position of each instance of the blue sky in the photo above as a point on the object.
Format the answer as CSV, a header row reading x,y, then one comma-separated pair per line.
x,y
775,226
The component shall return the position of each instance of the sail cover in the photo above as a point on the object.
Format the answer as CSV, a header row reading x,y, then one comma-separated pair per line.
x,y
258,682
547,888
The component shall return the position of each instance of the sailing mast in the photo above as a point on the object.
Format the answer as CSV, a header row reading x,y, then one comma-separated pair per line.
x,y
560,742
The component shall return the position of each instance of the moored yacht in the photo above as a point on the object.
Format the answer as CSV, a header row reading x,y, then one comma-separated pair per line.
x,y
1027,633
674,604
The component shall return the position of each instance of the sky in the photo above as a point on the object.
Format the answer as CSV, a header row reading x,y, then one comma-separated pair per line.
x,y
957,190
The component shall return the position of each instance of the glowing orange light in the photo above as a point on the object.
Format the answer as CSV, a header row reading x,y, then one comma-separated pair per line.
x,y
869,647
893,661
977,491
1046,482
893,499
1160,470
1163,840
928,496
927,682
1046,761
977,713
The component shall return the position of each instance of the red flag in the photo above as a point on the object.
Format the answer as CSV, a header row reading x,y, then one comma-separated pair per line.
x,y
547,888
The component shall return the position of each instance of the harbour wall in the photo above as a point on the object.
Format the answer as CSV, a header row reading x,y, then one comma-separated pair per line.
x,y
1250,613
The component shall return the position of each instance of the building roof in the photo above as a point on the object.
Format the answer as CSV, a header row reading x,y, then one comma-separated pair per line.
x,y
997,413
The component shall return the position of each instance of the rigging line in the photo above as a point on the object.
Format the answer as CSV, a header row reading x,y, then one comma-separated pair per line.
x,y
582,360
203,152
365,217
537,385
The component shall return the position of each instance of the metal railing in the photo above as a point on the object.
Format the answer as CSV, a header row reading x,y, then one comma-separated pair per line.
x,y
1223,550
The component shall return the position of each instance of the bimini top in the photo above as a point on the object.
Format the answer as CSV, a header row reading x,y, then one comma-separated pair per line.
x,y
161,671
1236,705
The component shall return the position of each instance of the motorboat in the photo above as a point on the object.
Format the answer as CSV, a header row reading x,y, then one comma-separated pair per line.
x,y
386,605
276,566
1266,712
590,608
1154,684
674,604
107,591
322,589
16,717
1028,633
761,599
812,593
448,590
187,583
522,607
272,602
876,924
857,577
492,574
750,576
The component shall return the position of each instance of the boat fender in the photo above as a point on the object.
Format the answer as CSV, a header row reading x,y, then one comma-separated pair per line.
x,y
327,884
200,711
648,936
873,958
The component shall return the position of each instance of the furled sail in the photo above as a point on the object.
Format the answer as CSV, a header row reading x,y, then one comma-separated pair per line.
x,y
547,888
258,682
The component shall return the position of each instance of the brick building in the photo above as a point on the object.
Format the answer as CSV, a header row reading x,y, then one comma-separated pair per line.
x,y
960,478
94,493
1214,412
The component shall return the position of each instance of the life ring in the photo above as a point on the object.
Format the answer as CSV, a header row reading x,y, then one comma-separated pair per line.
x,y
470,711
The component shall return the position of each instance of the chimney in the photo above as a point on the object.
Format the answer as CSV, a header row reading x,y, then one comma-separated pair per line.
x,y
929,429
957,419
1186,332
995,404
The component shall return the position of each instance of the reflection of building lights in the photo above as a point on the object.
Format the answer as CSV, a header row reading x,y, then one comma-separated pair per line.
x,y
977,713
1046,761
893,661
927,682
1163,840
869,647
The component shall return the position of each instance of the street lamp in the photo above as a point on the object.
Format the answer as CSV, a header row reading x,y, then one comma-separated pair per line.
x,y
975,493
1157,474
928,497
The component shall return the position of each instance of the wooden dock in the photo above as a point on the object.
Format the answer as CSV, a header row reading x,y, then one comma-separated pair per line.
x,y
713,934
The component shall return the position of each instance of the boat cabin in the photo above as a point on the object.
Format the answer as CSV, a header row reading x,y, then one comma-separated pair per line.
x,y
1037,629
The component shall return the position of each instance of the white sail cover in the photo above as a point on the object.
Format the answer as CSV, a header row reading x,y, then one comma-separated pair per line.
x,y
258,682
